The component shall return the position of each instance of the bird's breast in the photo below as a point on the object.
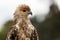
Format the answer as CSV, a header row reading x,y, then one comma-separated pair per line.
x,y
25,32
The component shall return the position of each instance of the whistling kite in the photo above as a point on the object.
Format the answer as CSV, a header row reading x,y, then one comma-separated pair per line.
x,y
23,28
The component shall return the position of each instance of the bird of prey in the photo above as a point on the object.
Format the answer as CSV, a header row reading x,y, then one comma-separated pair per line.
x,y
23,28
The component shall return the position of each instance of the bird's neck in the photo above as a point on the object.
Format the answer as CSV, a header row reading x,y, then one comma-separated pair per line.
x,y
23,21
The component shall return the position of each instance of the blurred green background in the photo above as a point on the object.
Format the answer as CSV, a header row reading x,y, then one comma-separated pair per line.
x,y
49,29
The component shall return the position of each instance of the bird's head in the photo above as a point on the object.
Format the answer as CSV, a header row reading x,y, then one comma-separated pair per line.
x,y
22,11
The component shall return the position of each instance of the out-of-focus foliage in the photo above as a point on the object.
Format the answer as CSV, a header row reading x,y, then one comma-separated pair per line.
x,y
5,29
49,29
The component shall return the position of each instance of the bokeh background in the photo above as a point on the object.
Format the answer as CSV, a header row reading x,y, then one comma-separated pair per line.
x,y
46,17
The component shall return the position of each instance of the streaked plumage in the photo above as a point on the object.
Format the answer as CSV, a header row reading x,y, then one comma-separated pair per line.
x,y
23,28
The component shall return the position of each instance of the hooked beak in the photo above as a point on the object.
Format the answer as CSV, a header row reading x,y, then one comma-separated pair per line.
x,y
30,12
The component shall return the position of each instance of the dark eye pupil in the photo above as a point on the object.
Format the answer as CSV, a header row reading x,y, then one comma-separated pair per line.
x,y
24,10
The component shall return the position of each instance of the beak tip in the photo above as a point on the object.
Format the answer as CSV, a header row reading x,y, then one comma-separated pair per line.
x,y
30,13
